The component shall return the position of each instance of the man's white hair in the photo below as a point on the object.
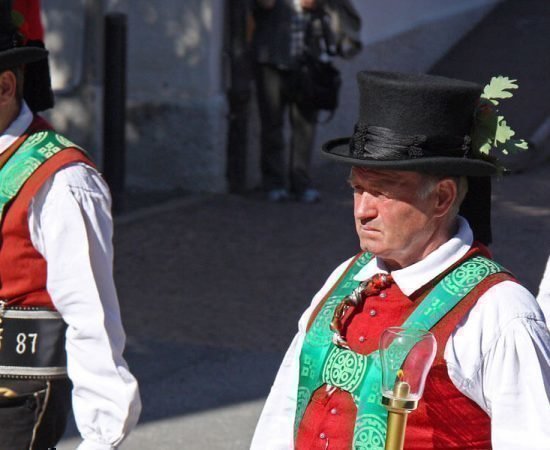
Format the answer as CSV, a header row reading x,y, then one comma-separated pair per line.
x,y
430,182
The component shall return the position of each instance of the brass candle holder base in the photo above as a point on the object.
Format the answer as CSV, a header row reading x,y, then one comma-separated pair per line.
x,y
399,407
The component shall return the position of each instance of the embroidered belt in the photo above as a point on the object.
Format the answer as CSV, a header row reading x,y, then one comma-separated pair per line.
x,y
32,343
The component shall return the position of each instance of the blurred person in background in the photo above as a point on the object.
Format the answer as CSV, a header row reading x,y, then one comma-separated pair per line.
x,y
278,42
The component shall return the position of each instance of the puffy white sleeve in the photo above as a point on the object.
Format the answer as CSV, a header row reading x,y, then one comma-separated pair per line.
x,y
516,378
71,226
543,295
501,359
275,428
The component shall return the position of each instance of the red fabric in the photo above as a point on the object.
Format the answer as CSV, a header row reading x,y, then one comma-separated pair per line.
x,y
28,19
329,420
444,419
22,268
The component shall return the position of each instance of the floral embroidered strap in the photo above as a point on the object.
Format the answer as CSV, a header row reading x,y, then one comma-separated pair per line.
x,y
34,151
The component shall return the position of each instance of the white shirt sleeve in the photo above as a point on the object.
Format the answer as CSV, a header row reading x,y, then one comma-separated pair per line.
x,y
71,226
499,356
275,428
543,296
516,376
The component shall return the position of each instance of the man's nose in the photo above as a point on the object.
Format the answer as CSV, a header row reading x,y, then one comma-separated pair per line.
x,y
365,206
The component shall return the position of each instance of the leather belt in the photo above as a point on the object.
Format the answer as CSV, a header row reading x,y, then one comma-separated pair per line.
x,y
32,343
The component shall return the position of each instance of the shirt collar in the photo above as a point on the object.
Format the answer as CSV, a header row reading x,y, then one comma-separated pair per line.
x,y
16,128
411,278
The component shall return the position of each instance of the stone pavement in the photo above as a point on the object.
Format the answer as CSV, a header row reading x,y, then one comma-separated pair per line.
x,y
211,288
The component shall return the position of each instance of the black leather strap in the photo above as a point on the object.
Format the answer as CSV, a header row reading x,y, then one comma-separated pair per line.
x,y
32,344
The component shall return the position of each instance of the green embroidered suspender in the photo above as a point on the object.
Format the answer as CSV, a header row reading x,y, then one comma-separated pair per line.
x,y
37,149
322,362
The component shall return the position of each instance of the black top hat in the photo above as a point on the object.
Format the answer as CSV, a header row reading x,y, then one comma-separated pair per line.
x,y
32,55
12,51
414,122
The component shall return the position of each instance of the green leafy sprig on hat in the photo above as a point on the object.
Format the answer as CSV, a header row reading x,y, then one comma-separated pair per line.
x,y
490,129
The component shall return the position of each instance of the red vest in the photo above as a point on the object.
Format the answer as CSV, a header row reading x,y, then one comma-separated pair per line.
x,y
445,418
22,268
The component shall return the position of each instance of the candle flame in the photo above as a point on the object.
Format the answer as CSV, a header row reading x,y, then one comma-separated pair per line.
x,y
400,374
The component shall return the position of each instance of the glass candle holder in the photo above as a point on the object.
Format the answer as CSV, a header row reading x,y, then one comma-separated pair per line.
x,y
406,355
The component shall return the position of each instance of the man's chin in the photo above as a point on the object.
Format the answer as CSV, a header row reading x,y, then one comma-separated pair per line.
x,y
368,246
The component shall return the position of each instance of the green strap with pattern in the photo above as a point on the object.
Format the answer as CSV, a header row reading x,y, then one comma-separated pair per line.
x,y
318,340
35,150
321,362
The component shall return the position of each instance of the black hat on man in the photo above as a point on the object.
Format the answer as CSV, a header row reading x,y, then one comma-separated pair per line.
x,y
32,55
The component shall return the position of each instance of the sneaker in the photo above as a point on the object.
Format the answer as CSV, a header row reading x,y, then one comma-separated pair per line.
x,y
277,195
310,195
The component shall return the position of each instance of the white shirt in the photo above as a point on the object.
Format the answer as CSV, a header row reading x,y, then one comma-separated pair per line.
x,y
71,226
499,356
543,296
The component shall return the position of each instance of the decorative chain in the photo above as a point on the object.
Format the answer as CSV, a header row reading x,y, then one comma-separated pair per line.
x,y
367,288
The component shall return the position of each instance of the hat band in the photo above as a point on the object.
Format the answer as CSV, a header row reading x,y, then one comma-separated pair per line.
x,y
379,143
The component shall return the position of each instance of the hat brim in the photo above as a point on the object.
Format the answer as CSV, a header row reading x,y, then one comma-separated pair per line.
x,y
338,149
14,57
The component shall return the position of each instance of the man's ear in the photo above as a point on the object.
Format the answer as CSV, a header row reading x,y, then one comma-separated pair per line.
x,y
8,87
447,192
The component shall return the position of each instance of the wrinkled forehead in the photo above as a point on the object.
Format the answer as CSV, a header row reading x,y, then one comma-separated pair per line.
x,y
392,177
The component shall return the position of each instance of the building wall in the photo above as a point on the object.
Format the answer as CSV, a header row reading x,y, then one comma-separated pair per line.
x,y
384,19
176,108
73,38
177,112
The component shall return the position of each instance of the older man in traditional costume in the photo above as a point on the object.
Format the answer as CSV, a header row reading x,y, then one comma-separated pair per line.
x,y
419,142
